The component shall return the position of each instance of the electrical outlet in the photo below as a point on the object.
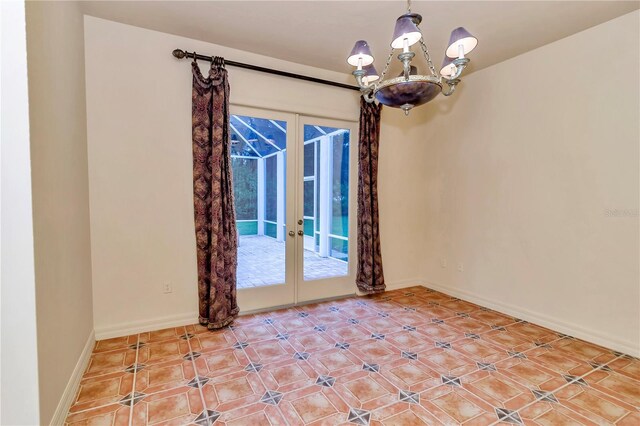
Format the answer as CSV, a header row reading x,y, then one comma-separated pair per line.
x,y
166,288
443,263
460,267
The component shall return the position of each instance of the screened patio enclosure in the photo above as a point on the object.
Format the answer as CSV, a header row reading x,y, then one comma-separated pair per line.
x,y
259,158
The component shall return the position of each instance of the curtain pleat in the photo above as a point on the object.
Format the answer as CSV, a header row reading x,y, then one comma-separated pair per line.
x,y
214,214
370,277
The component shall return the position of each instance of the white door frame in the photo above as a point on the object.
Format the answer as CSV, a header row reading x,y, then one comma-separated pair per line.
x,y
295,290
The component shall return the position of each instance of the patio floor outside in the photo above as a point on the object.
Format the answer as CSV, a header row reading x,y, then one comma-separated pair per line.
x,y
261,262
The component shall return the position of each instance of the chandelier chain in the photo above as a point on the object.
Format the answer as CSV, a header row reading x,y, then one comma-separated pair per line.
x,y
428,58
386,66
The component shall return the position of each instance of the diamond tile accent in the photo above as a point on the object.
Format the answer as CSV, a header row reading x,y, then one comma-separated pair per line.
x,y
132,399
253,367
198,382
599,366
433,304
471,336
186,336
409,355
575,379
361,303
383,314
566,336
135,368
409,309
451,380
408,328
268,321
326,381
374,368
443,345
240,345
462,314
519,321
544,396
301,355
359,417
542,345
137,345
498,327
303,314
342,345
410,397
377,336
191,356
485,366
437,321
353,321
334,309
409,294
513,354
508,416
282,336
271,398
207,418
320,328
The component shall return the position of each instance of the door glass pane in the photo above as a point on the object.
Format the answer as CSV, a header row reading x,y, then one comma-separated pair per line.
x,y
326,202
258,161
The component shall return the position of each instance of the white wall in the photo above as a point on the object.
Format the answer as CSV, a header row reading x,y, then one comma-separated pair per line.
x,y
140,168
18,378
55,53
520,170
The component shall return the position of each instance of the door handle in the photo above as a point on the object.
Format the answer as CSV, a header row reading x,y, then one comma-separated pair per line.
x,y
301,232
291,233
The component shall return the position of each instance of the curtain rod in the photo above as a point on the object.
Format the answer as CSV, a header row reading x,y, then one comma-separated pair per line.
x,y
180,54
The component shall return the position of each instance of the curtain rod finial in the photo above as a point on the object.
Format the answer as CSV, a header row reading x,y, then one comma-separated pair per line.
x,y
179,53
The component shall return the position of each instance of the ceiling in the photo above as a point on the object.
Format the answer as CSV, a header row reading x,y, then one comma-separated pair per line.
x,y
321,33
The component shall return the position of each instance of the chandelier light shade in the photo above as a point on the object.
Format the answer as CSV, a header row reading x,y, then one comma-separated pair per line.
x,y
406,29
448,68
370,73
411,88
461,43
360,54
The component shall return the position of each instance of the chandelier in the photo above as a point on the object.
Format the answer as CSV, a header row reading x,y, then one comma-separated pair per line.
x,y
411,89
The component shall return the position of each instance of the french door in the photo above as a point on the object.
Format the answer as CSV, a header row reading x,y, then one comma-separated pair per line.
x,y
294,183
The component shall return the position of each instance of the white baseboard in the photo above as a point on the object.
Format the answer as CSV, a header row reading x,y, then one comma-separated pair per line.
x,y
555,324
158,323
125,329
60,415
395,285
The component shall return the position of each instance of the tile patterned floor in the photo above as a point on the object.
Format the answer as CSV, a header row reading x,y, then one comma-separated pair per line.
x,y
406,357
261,262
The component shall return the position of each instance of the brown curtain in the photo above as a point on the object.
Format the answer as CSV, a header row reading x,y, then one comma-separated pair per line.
x,y
370,278
215,219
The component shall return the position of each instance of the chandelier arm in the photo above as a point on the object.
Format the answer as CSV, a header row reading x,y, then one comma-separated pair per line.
x,y
451,84
425,51
368,96
461,64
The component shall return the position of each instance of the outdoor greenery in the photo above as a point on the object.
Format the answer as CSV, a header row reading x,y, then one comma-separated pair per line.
x,y
245,187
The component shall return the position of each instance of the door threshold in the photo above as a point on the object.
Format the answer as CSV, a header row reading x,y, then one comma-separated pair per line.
x,y
291,305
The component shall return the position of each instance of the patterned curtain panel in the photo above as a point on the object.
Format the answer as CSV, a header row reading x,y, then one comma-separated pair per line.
x,y
370,278
215,219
